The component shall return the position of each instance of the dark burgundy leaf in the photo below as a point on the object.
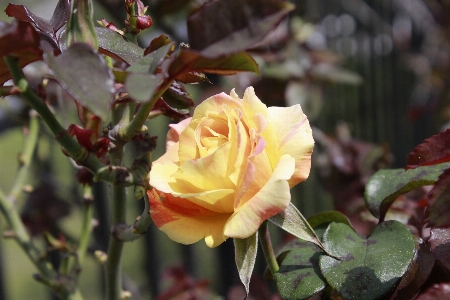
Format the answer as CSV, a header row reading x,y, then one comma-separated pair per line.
x,y
113,44
438,212
440,246
21,40
432,151
190,61
60,15
22,13
157,43
238,26
178,98
437,291
416,275
85,75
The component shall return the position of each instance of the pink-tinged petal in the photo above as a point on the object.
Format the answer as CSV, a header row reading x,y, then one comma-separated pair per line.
x,y
290,133
185,222
215,103
270,200
253,107
171,155
173,135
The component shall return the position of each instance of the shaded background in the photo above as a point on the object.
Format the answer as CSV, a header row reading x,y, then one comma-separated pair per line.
x,y
372,76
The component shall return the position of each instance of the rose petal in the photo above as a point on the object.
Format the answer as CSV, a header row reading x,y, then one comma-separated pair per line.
x,y
187,224
173,135
271,199
290,133
160,176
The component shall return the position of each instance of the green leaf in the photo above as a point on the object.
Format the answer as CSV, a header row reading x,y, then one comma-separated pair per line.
x,y
368,268
80,27
292,221
189,61
238,26
245,255
418,272
328,217
151,61
386,185
117,46
141,87
85,75
299,275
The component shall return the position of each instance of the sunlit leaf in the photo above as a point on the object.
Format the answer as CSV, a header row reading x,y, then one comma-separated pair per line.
x,y
299,275
432,151
245,255
386,185
117,46
21,40
238,26
292,221
438,212
416,275
86,77
369,268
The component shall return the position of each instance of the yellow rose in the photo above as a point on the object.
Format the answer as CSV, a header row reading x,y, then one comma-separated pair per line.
x,y
229,168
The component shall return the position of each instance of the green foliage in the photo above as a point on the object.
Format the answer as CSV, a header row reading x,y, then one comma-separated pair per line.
x,y
299,276
368,267
385,186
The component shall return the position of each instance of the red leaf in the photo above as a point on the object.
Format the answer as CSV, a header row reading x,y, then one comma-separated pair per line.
x,y
21,40
432,151
440,246
437,214
83,136
22,13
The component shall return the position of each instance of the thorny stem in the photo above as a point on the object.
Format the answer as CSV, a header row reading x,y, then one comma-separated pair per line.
x,y
140,226
75,150
8,204
19,232
266,244
87,223
113,174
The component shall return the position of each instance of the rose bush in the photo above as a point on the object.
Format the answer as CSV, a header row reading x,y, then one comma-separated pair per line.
x,y
229,168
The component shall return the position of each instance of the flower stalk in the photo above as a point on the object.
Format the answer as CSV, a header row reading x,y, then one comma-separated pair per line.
x,y
266,244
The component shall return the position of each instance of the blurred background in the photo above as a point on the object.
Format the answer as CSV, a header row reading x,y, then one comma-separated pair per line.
x,y
371,75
